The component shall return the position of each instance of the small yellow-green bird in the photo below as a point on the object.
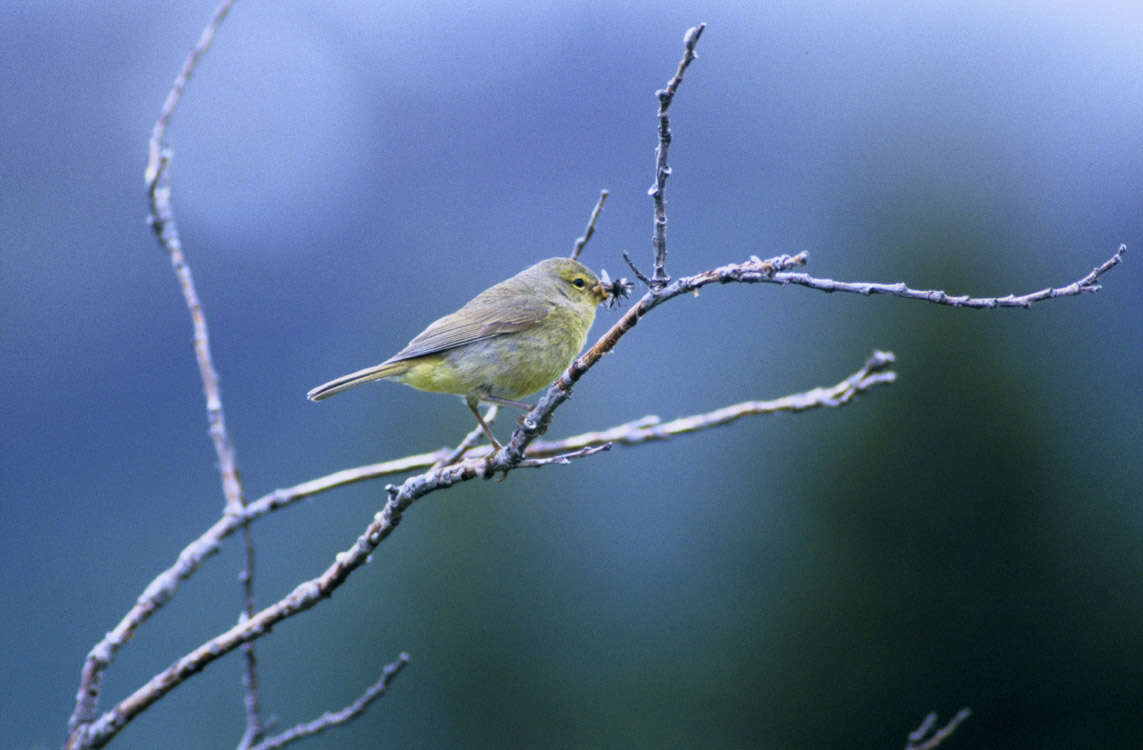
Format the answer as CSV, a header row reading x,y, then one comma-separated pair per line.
x,y
510,340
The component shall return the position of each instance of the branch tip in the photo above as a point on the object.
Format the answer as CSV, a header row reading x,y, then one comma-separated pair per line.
x,y
638,274
590,230
924,738
659,277
334,718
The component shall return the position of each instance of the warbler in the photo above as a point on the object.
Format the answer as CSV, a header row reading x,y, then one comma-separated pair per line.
x,y
510,340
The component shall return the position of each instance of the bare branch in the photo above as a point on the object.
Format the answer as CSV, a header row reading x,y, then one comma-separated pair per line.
x,y
1084,285
166,232
333,718
469,440
635,269
562,457
659,277
162,221
250,695
164,586
587,233
156,159
917,738
650,428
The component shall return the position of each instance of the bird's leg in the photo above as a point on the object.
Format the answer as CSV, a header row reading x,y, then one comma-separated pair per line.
x,y
485,396
473,405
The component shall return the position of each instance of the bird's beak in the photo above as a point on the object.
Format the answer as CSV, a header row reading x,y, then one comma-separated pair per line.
x,y
601,290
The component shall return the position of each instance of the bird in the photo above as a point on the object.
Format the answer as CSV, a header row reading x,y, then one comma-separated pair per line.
x,y
510,340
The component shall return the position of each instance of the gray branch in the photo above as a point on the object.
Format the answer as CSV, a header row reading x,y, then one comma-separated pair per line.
x,y
162,222
924,738
1085,285
651,428
657,192
590,230
334,718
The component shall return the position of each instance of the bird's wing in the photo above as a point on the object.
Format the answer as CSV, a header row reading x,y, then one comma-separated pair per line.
x,y
468,324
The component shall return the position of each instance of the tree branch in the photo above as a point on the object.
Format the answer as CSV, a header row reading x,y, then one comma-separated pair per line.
x,y
333,718
587,233
162,222
155,156
920,739
657,192
651,428
1085,285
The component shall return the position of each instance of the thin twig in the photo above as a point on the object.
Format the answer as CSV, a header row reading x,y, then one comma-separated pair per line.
x,y
650,428
162,220
250,695
562,457
587,233
166,232
469,440
1085,285
333,718
659,277
154,157
162,223
917,738
635,269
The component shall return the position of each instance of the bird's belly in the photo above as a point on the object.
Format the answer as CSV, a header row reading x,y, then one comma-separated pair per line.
x,y
502,366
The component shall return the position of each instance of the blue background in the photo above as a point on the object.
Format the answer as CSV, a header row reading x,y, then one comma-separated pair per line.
x,y
344,173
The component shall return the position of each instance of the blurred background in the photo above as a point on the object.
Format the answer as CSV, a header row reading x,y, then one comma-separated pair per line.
x,y
346,172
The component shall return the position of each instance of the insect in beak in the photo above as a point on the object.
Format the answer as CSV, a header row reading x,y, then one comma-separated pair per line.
x,y
613,291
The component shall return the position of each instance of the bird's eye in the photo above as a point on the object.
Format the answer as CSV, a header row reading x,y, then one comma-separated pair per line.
x,y
578,281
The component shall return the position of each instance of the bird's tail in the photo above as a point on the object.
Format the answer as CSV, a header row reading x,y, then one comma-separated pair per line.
x,y
345,382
